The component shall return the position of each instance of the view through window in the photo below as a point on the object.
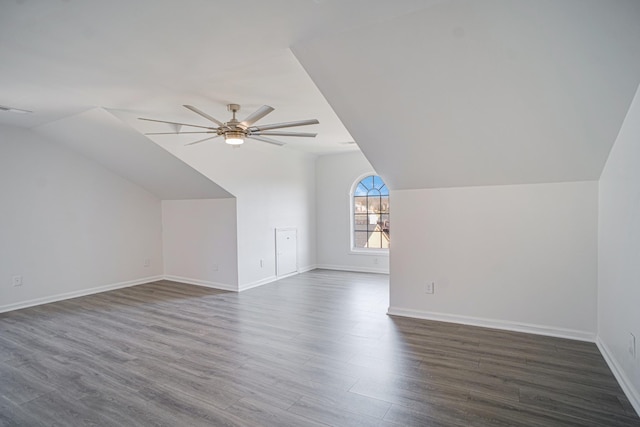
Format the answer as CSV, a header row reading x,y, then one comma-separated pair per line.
x,y
371,214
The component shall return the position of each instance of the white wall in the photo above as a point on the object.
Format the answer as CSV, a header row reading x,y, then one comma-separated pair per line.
x,y
274,187
335,175
619,255
68,225
519,257
199,242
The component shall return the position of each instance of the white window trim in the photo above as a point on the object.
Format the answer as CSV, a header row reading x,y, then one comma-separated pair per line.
x,y
372,252
352,249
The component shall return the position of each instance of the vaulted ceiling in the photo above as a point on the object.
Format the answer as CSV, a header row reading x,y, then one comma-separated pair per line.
x,y
484,92
97,134
435,93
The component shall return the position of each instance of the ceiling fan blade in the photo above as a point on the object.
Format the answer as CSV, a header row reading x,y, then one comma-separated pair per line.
x,y
202,140
257,115
284,125
277,133
267,140
176,133
203,114
176,123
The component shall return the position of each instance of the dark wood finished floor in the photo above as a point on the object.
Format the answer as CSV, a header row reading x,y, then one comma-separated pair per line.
x,y
312,350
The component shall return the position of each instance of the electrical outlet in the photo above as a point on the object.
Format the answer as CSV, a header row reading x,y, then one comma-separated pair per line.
x,y
16,280
261,263
429,287
214,267
632,345
147,262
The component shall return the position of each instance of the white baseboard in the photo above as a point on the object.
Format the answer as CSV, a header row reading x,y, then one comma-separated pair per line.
x,y
495,324
76,294
353,268
143,280
258,283
203,283
105,288
625,383
307,268
271,279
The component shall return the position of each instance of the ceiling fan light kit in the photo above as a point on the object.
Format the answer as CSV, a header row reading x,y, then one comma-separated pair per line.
x,y
234,137
235,132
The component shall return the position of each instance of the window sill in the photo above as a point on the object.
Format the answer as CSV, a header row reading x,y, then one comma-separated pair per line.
x,y
372,252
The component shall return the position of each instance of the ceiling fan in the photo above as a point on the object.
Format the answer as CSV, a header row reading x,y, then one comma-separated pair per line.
x,y
235,131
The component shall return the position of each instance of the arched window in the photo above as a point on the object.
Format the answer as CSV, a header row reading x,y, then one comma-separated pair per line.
x,y
370,203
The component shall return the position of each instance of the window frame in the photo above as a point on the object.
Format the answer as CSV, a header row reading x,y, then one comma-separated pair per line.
x,y
352,247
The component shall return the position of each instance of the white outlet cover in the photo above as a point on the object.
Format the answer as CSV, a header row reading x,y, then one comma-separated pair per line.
x,y
632,345
429,287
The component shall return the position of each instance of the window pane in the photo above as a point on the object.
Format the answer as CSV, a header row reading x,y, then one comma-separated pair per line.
x,y
384,190
384,204
374,205
384,222
360,204
385,241
361,222
377,182
375,240
361,190
378,240
368,181
360,240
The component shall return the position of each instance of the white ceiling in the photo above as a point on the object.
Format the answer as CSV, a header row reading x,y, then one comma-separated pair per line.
x,y
99,135
436,93
484,92
148,57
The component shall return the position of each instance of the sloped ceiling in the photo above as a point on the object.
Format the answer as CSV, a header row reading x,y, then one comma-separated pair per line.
x,y
484,92
436,93
148,57
100,136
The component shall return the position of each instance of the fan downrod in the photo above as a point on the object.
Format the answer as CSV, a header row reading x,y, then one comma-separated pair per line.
x,y
234,108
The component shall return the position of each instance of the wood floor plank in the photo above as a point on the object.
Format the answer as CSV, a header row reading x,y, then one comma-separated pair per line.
x,y
58,409
338,400
19,386
332,414
585,408
189,411
484,410
312,349
260,414
12,415
429,415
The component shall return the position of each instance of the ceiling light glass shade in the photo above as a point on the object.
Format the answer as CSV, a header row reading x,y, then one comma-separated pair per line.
x,y
234,141
234,138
